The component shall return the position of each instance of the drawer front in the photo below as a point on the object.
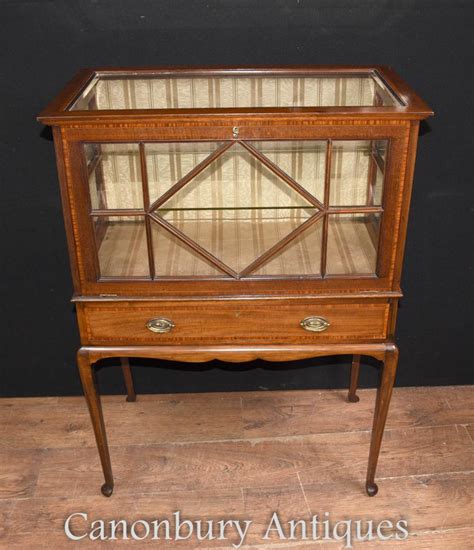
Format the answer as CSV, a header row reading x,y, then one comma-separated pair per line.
x,y
231,322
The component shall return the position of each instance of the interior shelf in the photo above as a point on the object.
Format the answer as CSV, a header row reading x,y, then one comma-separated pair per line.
x,y
351,248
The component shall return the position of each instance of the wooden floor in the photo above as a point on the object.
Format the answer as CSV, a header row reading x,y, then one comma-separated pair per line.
x,y
241,456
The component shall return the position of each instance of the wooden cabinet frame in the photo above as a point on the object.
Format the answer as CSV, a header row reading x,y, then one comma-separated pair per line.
x,y
395,186
223,300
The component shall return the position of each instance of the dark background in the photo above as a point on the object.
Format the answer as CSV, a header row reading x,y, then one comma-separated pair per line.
x,y
43,43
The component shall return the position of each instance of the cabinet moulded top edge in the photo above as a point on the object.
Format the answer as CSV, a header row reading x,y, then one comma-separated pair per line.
x,y
179,93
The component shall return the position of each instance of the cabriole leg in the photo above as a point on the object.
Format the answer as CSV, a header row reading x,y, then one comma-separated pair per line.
x,y
352,397
384,394
95,409
127,376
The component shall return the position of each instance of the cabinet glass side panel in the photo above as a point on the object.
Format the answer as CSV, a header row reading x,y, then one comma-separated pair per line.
x,y
154,91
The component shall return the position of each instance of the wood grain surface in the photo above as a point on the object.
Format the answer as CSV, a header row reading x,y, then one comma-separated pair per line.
x,y
241,456
237,322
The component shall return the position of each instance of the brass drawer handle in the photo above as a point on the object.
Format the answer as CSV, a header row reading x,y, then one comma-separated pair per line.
x,y
315,324
160,325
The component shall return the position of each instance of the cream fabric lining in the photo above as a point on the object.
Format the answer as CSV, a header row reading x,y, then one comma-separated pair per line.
x,y
123,250
233,92
236,179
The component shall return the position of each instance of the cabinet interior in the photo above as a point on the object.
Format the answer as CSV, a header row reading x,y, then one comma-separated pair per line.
x,y
236,209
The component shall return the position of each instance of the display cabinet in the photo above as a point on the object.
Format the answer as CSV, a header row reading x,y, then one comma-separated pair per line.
x,y
236,214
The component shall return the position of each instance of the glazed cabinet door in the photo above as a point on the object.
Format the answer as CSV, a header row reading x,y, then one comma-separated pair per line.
x,y
237,209
241,210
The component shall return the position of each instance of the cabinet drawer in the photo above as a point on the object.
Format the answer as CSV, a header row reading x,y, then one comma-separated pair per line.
x,y
231,322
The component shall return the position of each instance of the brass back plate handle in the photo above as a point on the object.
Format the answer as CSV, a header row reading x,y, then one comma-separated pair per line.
x,y
160,325
315,324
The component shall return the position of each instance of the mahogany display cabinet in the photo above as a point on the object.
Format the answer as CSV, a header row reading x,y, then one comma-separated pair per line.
x,y
236,214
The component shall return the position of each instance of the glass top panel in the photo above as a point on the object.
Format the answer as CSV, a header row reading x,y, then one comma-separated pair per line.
x,y
139,91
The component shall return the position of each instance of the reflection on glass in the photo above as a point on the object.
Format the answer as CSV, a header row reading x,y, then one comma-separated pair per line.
x,y
375,192
237,237
115,180
380,149
167,163
236,180
357,173
352,244
121,246
130,91
304,161
302,256
173,258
